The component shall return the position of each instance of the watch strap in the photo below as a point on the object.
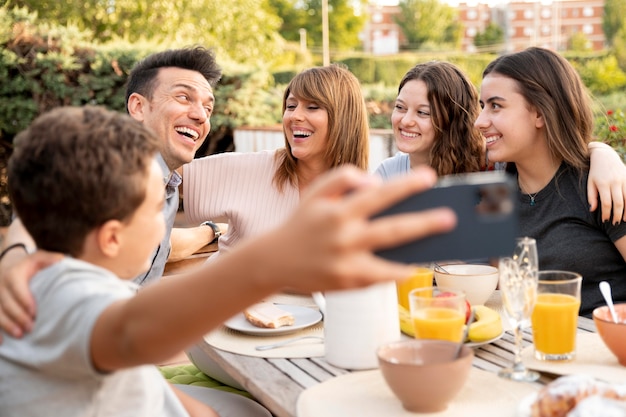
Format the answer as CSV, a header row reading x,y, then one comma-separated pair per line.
x,y
216,230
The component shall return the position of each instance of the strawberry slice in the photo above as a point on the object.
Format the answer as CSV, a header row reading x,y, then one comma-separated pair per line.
x,y
468,307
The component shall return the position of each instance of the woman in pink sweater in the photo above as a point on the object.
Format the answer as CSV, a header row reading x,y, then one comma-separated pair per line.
x,y
325,125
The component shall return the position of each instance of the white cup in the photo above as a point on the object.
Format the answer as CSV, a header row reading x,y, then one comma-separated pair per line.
x,y
357,322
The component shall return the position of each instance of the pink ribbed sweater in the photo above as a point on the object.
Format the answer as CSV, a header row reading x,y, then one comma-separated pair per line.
x,y
236,188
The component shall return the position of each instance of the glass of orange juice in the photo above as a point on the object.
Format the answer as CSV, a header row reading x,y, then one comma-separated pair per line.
x,y
555,316
421,277
437,313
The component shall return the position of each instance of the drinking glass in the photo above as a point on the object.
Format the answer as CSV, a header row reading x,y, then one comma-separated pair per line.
x,y
518,286
421,277
555,317
438,313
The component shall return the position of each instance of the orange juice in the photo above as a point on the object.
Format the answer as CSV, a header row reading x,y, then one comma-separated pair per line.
x,y
423,277
554,321
438,323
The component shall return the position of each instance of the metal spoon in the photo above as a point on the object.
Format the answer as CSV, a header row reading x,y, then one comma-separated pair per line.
x,y
286,342
465,331
440,268
605,289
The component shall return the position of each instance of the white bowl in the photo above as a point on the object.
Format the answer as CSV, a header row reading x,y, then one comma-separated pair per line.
x,y
478,282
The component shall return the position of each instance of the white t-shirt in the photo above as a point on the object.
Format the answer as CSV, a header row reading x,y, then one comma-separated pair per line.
x,y
49,371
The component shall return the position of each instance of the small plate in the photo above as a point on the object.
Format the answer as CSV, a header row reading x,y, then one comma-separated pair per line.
x,y
304,317
486,342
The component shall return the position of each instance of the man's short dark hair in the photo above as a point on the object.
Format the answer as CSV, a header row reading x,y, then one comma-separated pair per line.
x,y
143,76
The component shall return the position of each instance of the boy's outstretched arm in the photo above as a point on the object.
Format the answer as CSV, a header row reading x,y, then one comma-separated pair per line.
x,y
328,243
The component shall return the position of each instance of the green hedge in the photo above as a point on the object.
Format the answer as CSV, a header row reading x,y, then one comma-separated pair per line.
x,y
389,70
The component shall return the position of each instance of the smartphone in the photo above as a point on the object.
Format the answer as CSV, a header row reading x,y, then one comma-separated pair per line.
x,y
487,219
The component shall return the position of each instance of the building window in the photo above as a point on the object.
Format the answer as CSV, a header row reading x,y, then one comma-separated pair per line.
x,y
377,17
546,13
545,29
587,29
528,31
472,14
528,14
587,11
471,32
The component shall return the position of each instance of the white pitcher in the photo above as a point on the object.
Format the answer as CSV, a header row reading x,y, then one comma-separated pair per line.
x,y
356,322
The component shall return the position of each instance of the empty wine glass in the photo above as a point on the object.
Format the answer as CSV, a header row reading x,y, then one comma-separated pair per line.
x,y
518,286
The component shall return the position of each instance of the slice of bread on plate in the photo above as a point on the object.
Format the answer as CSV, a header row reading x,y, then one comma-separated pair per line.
x,y
267,315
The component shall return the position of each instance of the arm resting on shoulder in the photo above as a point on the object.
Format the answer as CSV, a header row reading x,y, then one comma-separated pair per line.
x,y
607,179
16,233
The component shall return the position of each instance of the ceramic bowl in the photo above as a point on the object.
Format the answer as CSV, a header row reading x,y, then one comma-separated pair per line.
x,y
424,374
478,282
613,334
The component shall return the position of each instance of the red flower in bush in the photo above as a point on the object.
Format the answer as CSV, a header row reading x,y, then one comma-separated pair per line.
x,y
610,128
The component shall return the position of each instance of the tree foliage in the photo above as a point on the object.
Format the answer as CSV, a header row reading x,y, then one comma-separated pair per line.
x,y
428,22
346,19
614,19
579,42
619,47
242,29
491,36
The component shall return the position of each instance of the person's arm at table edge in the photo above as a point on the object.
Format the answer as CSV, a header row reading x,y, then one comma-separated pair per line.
x,y
186,241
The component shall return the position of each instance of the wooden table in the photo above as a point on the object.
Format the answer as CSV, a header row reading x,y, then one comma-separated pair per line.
x,y
277,383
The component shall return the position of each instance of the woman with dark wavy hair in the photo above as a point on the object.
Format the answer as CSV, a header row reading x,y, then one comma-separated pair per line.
x,y
433,122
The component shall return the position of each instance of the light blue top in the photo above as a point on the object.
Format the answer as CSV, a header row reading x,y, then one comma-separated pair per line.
x,y
395,165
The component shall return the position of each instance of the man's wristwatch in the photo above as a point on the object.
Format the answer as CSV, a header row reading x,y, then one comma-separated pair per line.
x,y
216,230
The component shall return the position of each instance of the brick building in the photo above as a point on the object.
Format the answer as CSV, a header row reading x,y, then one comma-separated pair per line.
x,y
548,24
538,23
